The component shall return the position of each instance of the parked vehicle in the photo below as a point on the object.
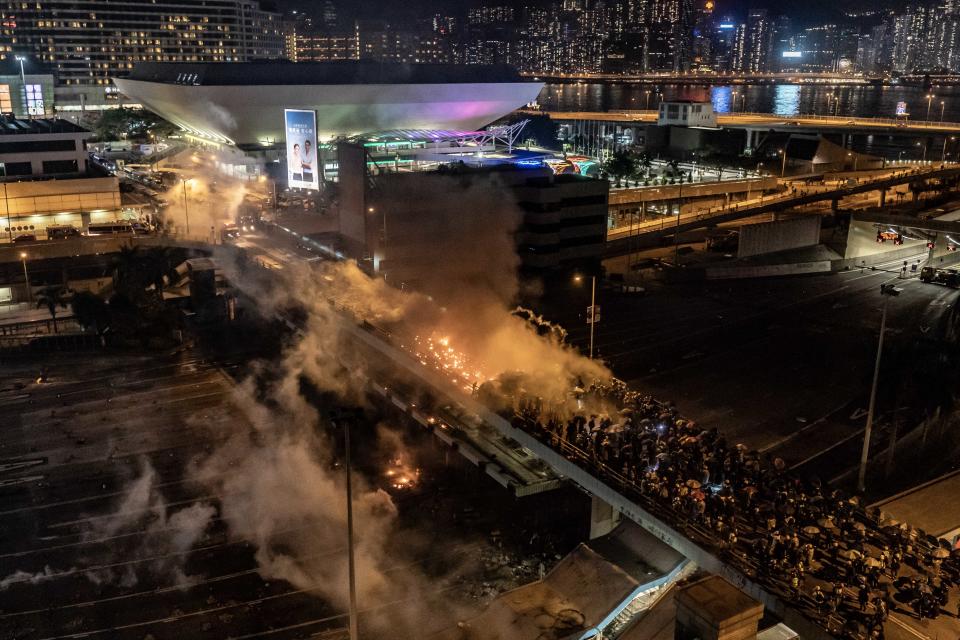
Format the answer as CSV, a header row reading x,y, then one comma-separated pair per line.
x,y
118,228
62,232
946,277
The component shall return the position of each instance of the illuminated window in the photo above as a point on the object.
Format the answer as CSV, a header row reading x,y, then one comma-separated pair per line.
x,y
6,105
34,99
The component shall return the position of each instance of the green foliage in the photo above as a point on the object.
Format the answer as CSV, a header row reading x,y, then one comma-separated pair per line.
x,y
621,164
53,297
91,312
131,124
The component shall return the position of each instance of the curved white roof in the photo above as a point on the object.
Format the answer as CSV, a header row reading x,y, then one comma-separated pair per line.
x,y
249,114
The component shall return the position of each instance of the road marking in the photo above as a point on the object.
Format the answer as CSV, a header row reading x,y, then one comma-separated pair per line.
x,y
909,628
805,428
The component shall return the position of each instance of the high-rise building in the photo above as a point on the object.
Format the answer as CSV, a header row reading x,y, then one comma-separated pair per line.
x,y
88,42
760,38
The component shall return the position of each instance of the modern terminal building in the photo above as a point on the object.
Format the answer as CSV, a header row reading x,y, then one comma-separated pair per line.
x,y
243,104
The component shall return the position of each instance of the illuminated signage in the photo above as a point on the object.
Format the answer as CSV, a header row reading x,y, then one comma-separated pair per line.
x,y
901,108
792,54
301,130
726,25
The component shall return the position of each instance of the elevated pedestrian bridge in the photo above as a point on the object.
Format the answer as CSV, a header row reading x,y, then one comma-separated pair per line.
x,y
602,483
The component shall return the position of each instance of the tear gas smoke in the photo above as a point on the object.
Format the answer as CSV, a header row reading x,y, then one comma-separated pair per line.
x,y
160,537
212,199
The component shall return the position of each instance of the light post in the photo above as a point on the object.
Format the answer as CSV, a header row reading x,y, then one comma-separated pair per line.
x,y
26,276
23,82
647,107
930,98
186,210
6,204
592,312
23,79
783,165
344,418
887,291
943,106
943,156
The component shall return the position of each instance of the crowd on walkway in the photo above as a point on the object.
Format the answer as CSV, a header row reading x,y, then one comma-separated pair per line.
x,y
844,566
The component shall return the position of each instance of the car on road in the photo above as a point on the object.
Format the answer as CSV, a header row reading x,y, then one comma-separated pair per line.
x,y
62,232
24,237
947,277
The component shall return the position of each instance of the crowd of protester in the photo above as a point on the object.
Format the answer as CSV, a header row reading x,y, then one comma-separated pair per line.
x,y
843,565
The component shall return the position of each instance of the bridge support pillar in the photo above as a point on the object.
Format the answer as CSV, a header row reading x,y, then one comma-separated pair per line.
x,y
834,205
603,518
882,200
748,148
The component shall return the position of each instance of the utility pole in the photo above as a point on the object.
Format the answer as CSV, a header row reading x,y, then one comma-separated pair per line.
x,y
676,235
887,291
186,211
345,419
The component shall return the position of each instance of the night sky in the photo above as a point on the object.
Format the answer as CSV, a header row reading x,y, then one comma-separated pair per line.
x,y
808,11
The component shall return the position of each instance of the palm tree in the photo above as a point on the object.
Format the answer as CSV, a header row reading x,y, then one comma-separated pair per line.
x,y
53,297
91,311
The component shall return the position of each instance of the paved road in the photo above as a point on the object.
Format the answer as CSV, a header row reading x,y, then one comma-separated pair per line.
x,y
761,359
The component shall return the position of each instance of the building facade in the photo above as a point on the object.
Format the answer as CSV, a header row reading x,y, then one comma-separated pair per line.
x,y
86,43
41,147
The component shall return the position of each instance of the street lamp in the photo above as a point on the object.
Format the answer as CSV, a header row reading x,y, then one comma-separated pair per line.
x,y
23,80
26,276
943,106
887,291
186,210
592,315
783,165
943,156
344,418
930,98
647,107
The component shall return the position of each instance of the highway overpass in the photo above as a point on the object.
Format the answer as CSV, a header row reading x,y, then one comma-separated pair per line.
x,y
621,241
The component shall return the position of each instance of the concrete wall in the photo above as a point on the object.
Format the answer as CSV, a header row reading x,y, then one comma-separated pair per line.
x,y
768,237
862,243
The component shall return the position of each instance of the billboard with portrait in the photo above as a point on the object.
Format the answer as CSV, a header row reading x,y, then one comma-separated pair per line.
x,y
301,132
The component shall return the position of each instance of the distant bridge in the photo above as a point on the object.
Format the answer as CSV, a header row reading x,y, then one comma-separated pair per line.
x,y
807,123
710,78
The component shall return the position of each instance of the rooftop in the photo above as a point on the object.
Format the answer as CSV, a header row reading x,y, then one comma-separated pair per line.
x,y
338,72
13,126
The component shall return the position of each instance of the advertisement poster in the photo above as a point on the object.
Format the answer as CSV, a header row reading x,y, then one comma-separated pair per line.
x,y
901,109
301,132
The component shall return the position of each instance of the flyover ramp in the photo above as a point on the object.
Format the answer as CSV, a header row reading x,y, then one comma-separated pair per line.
x,y
612,490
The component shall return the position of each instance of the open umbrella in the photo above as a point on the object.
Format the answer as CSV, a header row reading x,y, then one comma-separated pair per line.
x,y
889,522
693,484
811,530
872,562
697,495
826,523
859,526
741,447
850,554
940,553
